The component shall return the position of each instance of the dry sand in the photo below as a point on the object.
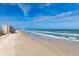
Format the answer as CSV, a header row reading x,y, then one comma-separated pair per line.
x,y
21,44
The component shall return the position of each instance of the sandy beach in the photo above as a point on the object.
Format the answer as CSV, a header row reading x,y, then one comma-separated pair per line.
x,y
24,44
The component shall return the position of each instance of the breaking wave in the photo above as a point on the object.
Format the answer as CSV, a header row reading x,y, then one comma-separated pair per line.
x,y
62,34
68,35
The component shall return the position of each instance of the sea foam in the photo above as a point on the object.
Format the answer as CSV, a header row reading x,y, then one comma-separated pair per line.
x,y
44,33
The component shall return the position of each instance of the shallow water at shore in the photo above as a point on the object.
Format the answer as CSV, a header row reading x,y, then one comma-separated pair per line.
x,y
62,34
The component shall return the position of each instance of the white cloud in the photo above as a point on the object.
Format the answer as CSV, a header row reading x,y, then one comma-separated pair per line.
x,y
45,5
24,8
64,14
62,17
69,13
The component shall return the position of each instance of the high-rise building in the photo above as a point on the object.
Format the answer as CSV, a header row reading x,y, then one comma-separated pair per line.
x,y
5,28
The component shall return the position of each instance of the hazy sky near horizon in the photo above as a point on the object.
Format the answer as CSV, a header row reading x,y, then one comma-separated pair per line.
x,y
41,15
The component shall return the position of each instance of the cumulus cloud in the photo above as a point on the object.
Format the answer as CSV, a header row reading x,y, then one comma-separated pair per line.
x,y
24,8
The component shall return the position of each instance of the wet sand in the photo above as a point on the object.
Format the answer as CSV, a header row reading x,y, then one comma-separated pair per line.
x,y
22,44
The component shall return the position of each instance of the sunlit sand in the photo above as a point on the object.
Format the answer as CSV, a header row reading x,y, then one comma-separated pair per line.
x,y
20,43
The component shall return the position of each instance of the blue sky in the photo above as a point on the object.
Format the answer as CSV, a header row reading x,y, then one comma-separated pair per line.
x,y
40,15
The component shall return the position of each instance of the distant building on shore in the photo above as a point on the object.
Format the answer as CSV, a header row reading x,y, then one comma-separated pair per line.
x,y
7,29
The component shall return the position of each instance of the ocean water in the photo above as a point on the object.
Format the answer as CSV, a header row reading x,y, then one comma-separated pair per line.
x,y
71,34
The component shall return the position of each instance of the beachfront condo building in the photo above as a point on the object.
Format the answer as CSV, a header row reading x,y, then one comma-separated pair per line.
x,y
5,28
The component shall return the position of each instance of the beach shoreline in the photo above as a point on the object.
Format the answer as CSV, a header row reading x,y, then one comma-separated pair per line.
x,y
25,44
